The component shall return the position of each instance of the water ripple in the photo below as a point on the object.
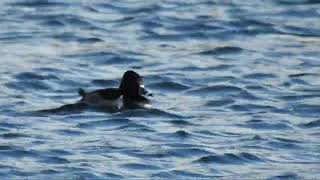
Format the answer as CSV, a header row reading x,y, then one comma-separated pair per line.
x,y
168,86
235,89
261,125
104,123
222,50
14,135
229,158
37,3
136,166
311,124
151,113
180,174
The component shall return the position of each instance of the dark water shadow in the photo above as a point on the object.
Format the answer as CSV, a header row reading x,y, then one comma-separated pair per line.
x,y
68,108
73,109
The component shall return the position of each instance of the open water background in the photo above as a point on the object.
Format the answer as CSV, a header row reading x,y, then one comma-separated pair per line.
x,y
236,88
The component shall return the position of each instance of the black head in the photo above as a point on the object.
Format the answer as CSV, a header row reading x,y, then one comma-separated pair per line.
x,y
132,84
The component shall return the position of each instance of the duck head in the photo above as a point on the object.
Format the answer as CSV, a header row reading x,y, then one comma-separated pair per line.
x,y
132,85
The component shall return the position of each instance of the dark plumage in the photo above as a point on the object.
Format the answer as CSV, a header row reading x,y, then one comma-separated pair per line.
x,y
131,89
109,93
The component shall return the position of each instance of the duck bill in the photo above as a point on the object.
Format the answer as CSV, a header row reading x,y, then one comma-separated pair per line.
x,y
143,91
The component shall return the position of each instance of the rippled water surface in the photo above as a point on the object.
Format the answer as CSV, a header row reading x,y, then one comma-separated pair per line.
x,y
236,88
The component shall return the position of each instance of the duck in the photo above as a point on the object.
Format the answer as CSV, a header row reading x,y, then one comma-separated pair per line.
x,y
133,91
130,94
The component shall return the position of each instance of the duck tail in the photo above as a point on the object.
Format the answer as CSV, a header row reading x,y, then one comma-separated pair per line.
x,y
81,92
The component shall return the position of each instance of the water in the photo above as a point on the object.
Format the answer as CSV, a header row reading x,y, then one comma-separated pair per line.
x,y
236,88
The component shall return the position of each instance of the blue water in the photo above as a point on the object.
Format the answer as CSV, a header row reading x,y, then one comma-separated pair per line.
x,y
236,88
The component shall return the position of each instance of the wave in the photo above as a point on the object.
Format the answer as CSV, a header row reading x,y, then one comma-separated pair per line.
x,y
262,125
311,124
230,158
168,86
222,50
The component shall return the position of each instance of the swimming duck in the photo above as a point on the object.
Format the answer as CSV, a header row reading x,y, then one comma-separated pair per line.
x,y
130,94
